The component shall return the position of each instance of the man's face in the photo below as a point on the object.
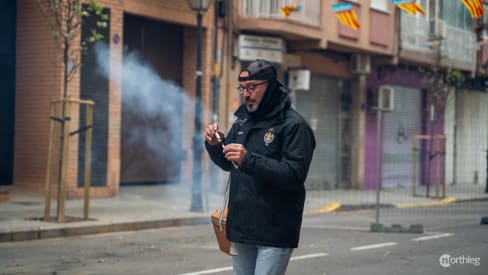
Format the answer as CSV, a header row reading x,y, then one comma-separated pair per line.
x,y
252,91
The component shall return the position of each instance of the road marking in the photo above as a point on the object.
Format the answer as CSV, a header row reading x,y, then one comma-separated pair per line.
x,y
228,268
373,246
328,208
209,271
309,256
333,227
424,204
443,235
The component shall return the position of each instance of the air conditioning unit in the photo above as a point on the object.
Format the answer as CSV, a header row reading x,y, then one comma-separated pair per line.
x,y
360,64
437,28
385,98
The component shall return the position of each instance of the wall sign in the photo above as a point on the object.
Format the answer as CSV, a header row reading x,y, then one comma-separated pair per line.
x,y
252,47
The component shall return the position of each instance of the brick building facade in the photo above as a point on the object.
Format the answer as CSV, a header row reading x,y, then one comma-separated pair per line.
x,y
38,79
346,66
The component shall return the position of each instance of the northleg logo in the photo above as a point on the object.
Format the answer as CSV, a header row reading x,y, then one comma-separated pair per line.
x,y
447,260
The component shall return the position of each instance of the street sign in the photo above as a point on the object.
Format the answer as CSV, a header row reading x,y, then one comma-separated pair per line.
x,y
252,47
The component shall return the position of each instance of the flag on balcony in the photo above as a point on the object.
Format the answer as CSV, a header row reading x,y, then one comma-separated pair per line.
x,y
286,10
475,7
346,15
409,6
427,44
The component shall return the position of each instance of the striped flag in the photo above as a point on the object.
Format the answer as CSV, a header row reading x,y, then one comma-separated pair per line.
x,y
286,10
346,15
475,7
409,6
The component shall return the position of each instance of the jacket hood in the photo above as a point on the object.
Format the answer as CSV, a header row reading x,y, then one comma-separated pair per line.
x,y
275,100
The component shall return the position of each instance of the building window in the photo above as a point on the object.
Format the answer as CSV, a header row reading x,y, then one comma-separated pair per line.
x,y
456,14
379,5
93,86
484,34
429,8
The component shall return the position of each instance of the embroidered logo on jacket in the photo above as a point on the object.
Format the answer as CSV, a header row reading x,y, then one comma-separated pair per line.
x,y
269,136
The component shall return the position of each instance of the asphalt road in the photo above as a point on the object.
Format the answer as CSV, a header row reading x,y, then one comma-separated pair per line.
x,y
454,242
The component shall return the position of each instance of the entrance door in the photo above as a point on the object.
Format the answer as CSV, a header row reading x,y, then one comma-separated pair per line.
x,y
151,142
320,106
7,89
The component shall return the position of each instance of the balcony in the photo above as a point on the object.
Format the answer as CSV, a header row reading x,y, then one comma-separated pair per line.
x,y
457,47
461,46
270,9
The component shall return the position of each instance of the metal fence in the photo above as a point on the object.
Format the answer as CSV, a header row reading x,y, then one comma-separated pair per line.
x,y
422,163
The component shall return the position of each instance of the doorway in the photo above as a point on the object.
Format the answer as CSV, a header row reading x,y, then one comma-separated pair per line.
x,y
152,103
7,88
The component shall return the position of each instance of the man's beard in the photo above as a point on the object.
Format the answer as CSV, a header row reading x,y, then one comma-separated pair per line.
x,y
251,105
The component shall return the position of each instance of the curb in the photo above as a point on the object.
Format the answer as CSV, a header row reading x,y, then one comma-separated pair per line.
x,y
337,207
446,200
38,234
330,208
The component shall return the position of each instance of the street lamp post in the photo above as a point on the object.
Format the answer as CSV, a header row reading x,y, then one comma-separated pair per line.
x,y
199,7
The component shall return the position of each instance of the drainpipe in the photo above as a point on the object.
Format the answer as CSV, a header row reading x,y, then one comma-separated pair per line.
x,y
216,73
216,63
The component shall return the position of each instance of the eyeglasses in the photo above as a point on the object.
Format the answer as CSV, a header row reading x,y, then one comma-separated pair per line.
x,y
250,88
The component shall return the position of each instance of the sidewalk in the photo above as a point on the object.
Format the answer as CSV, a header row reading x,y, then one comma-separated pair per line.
x,y
155,206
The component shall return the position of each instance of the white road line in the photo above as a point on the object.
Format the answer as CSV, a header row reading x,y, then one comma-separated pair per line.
x,y
373,246
216,270
443,235
309,256
209,271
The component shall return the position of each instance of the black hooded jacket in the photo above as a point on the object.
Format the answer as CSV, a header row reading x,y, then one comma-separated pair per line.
x,y
267,192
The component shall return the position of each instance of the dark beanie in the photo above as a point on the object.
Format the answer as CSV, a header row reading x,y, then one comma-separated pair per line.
x,y
275,92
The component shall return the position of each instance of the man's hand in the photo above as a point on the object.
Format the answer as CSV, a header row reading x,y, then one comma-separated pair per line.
x,y
235,152
209,134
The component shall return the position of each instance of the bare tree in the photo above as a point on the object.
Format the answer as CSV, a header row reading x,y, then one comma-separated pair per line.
x,y
441,82
64,19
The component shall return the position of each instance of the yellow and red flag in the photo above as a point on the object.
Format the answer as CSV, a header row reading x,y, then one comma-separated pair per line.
x,y
346,15
475,7
409,6
286,10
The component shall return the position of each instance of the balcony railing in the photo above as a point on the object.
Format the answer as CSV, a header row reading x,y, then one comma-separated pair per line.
x,y
414,33
457,46
309,15
461,45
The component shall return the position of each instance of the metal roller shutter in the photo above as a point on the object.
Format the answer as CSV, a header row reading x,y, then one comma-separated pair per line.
x,y
320,106
398,127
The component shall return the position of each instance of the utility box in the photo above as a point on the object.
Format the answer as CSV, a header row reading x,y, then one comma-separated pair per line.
x,y
382,98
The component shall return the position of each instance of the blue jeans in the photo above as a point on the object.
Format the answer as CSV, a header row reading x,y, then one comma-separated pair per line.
x,y
259,260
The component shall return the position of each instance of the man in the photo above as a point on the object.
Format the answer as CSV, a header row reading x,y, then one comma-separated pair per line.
x,y
268,151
